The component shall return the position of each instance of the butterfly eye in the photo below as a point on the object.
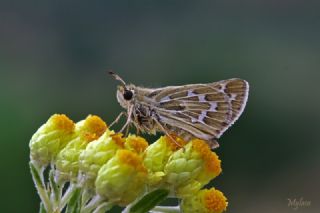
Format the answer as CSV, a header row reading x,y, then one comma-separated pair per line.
x,y
127,95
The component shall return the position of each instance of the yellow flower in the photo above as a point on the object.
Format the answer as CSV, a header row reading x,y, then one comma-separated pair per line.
x,y
212,164
156,157
205,201
122,179
97,153
67,162
50,138
194,165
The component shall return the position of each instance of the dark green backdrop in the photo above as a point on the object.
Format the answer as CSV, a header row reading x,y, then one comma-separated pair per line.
x,y
54,56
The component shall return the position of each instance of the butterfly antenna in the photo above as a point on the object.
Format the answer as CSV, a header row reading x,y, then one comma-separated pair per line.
x,y
117,77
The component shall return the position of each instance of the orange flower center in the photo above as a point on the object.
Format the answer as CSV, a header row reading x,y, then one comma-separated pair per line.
x,y
62,122
118,139
132,159
137,143
212,162
94,127
214,200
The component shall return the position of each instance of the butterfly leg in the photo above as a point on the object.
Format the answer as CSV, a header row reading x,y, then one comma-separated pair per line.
x,y
167,133
130,110
117,119
127,129
138,131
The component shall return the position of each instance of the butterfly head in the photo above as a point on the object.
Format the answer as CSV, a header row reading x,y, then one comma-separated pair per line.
x,y
125,92
125,95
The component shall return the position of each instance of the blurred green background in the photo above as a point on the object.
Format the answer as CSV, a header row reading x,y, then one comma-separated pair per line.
x,y
54,56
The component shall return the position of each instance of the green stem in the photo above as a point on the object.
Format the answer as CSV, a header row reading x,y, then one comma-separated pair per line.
x,y
86,196
55,190
127,209
167,209
102,208
73,205
93,204
37,176
67,195
42,209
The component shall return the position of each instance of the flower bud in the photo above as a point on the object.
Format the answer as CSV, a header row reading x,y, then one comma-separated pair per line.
x,y
122,179
156,157
50,138
97,153
205,201
196,164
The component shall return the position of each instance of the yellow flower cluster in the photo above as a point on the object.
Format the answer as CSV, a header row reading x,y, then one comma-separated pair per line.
x,y
121,169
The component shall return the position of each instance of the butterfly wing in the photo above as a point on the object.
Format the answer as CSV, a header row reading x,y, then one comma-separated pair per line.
x,y
202,111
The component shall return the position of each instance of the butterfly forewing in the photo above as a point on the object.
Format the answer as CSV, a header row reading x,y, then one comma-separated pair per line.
x,y
202,111
237,91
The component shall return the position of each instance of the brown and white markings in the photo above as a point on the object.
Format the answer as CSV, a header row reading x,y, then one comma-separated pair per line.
x,y
203,111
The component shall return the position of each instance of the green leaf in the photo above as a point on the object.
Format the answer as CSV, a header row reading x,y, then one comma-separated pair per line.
x,y
149,201
35,174
73,205
42,209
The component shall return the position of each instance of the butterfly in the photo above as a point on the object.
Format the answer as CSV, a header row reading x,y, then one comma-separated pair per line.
x,y
203,111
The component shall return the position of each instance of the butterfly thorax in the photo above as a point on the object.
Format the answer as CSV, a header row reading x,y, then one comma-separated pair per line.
x,y
142,117
144,113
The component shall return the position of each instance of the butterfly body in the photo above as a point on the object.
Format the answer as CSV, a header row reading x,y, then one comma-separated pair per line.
x,y
203,111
